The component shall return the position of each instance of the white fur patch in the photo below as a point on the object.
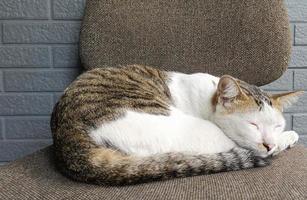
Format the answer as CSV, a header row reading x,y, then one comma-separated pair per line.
x,y
192,93
145,134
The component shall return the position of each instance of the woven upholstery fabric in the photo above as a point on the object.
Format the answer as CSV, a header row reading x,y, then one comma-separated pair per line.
x,y
35,178
247,39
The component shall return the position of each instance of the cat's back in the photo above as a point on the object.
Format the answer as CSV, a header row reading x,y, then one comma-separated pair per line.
x,y
103,94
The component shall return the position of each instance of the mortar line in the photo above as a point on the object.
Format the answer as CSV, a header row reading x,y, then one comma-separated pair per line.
x,y
2,129
293,81
292,116
51,60
50,10
2,81
1,28
294,33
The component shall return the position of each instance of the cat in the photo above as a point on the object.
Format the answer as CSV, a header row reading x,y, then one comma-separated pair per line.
x,y
134,124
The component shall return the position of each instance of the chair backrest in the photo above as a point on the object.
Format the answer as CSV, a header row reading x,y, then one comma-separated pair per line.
x,y
247,39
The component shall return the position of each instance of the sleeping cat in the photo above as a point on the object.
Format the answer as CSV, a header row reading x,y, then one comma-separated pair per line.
x,y
136,123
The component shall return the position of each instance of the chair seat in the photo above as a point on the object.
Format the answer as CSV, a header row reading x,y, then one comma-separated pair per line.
x,y
35,177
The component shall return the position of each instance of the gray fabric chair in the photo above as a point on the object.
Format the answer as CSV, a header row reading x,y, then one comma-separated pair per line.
x,y
245,38
35,178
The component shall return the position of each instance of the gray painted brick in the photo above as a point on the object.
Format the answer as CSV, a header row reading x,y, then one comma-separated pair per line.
x,y
38,32
24,9
299,123
25,104
11,56
27,128
68,9
300,106
66,56
11,150
56,97
298,57
303,140
300,79
285,82
38,80
301,34
297,10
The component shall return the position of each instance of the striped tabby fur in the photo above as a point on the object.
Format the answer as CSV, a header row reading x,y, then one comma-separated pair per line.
x,y
101,96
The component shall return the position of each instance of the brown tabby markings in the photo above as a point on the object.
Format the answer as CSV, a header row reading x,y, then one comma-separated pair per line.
x,y
102,95
251,98
99,95
96,97
256,93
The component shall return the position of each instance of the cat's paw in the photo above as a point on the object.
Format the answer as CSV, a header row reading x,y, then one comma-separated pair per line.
x,y
287,139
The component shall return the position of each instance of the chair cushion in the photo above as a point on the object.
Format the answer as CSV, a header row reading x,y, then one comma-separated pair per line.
x,y
35,177
247,39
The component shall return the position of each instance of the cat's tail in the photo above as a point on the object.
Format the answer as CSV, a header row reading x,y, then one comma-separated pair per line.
x,y
113,168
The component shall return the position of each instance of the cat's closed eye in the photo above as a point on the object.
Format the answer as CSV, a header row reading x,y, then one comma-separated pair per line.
x,y
254,124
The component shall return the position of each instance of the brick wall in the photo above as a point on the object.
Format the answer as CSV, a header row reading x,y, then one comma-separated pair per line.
x,y
38,59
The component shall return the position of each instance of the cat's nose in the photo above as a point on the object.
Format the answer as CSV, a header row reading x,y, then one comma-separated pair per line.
x,y
268,147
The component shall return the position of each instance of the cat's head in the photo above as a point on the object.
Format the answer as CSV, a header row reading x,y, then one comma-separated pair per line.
x,y
250,116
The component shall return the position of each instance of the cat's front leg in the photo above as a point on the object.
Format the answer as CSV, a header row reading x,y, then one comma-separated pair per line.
x,y
287,139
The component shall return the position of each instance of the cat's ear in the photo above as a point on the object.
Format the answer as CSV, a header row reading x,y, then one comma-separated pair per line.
x,y
286,99
228,89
